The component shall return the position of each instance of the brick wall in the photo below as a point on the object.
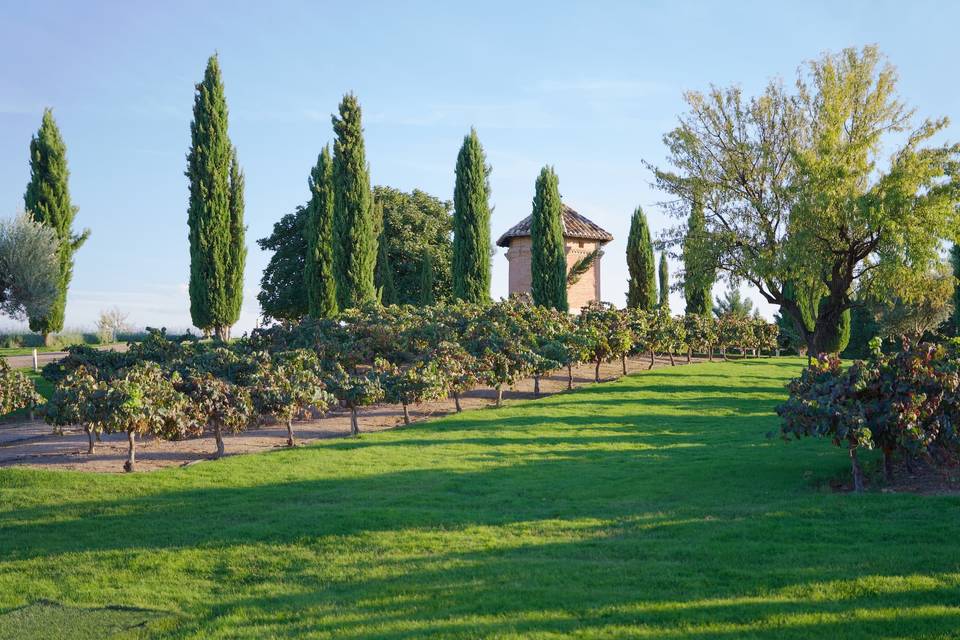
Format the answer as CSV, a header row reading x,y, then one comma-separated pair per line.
x,y
584,291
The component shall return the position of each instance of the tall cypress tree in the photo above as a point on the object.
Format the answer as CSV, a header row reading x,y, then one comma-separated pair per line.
x,y
471,223
698,270
427,298
386,285
238,245
548,264
47,199
215,213
355,235
642,286
664,283
318,271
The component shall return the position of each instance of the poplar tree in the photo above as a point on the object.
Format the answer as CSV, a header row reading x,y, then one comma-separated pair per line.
x,y
318,271
698,272
548,263
642,286
354,227
664,283
471,223
47,200
215,213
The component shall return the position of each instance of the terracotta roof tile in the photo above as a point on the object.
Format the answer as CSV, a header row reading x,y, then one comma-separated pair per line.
x,y
574,226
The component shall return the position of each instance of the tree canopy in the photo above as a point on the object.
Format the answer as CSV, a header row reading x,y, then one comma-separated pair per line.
x,y
416,225
795,188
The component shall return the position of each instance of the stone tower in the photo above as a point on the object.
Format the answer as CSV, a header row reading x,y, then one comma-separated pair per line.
x,y
581,237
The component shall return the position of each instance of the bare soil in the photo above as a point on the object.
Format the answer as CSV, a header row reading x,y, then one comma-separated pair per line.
x,y
33,443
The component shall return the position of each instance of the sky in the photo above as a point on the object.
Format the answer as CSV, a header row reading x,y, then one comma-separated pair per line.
x,y
588,87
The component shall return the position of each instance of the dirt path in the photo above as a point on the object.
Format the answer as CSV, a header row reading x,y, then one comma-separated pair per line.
x,y
46,357
34,444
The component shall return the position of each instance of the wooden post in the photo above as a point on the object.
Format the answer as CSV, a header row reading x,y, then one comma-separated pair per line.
x,y
36,364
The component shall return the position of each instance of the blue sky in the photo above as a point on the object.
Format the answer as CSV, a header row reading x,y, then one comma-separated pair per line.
x,y
589,87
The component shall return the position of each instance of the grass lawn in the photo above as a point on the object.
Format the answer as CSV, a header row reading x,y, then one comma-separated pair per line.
x,y
649,507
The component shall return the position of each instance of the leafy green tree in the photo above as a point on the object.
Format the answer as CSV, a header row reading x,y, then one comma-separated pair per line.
x,y
74,402
607,333
217,405
319,275
47,199
733,304
548,260
471,223
699,273
283,291
797,189
215,214
354,223
29,268
414,223
141,401
287,386
664,272
642,286
17,391
353,390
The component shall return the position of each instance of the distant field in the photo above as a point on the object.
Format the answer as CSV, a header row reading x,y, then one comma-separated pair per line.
x,y
649,507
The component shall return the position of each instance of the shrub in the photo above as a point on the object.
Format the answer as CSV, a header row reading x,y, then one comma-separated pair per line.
x,y
17,391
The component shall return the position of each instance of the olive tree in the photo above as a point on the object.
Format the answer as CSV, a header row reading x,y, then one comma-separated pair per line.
x,y
29,267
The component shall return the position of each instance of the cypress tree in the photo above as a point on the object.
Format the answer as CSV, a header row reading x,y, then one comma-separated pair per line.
x,y
386,285
642,286
699,273
664,283
47,199
355,245
215,213
318,271
427,298
548,265
471,223
238,245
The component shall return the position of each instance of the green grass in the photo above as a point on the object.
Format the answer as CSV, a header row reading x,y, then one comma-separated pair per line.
x,y
649,507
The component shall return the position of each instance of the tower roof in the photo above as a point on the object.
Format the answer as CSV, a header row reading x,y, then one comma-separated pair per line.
x,y
574,226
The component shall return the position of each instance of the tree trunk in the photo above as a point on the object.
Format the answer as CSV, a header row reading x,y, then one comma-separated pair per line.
x,y
888,465
596,372
710,353
354,424
218,436
536,386
672,363
90,437
623,361
689,355
569,377
290,441
131,464
856,470
98,437
723,352
456,401
406,414
652,359
499,395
